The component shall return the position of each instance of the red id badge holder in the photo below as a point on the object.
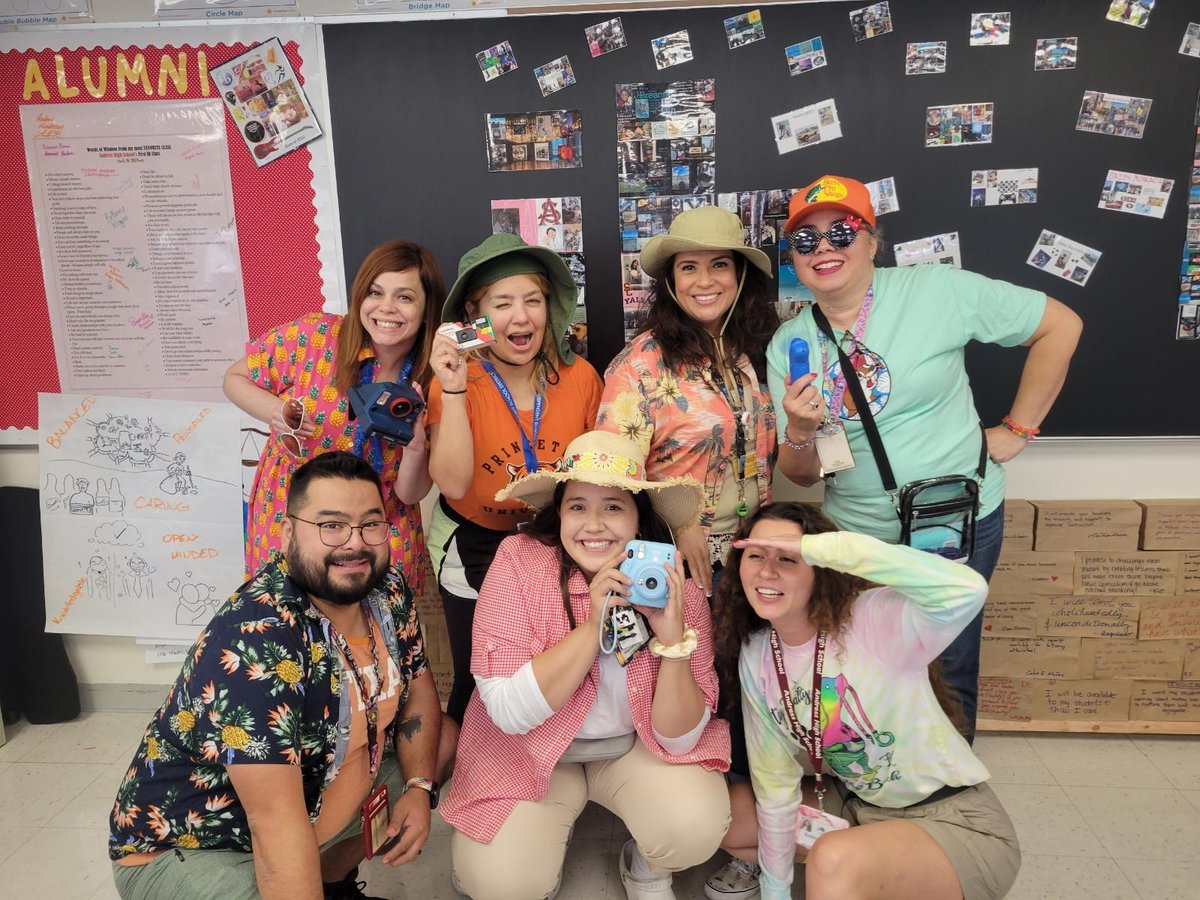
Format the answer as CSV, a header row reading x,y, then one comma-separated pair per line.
x,y
376,815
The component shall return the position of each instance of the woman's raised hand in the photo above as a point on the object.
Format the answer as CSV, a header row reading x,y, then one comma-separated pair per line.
x,y
804,406
449,366
610,580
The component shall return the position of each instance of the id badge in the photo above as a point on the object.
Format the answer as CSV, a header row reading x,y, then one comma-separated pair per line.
x,y
833,449
376,815
631,633
811,823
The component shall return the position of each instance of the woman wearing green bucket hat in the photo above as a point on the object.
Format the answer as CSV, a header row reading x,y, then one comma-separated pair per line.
x,y
496,414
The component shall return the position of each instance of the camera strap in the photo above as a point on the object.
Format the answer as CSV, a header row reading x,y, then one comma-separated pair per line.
x,y
539,405
375,451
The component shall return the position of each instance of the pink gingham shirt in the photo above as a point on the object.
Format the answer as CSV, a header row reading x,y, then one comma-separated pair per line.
x,y
520,615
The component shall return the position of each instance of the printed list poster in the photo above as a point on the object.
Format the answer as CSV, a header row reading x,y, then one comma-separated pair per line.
x,y
134,210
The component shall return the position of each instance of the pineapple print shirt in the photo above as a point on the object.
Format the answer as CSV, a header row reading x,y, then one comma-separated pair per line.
x,y
262,684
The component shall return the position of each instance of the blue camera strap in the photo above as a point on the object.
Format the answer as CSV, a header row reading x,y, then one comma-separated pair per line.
x,y
539,405
375,451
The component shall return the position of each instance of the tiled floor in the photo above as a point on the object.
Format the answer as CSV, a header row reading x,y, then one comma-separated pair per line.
x,y
1099,817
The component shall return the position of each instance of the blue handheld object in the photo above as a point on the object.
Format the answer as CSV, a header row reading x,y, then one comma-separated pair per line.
x,y
646,564
798,359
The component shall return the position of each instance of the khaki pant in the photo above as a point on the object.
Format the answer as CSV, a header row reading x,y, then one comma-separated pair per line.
x,y
678,815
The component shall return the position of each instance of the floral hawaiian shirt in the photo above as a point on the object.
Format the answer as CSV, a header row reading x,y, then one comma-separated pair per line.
x,y
258,686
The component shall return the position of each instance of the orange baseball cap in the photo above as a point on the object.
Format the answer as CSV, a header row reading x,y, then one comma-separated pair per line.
x,y
831,192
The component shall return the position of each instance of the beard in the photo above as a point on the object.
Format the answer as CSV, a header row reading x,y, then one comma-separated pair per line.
x,y
312,575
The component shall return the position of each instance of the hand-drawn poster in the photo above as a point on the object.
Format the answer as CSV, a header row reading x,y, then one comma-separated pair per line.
x,y
141,513
134,209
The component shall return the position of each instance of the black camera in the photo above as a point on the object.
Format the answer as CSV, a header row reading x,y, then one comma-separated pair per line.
x,y
390,409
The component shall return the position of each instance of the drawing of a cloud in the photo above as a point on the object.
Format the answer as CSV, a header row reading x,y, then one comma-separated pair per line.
x,y
120,534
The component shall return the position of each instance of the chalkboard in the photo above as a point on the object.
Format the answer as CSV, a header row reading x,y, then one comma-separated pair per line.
x,y
408,106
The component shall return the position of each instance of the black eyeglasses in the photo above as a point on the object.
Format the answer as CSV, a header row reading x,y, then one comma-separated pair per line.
x,y
840,235
336,534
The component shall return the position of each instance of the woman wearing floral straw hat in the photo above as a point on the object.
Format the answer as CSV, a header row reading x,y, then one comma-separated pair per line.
x,y
904,331
557,720
495,414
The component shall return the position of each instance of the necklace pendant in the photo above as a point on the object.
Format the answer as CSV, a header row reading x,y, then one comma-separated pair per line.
x,y
743,510
372,716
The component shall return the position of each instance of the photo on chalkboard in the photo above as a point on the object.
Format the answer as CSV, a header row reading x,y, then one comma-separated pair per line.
x,y
1069,260
534,141
925,58
960,124
672,49
1113,114
1186,329
938,249
1004,187
990,29
1050,54
496,61
871,21
605,37
554,75
805,56
1191,40
1140,195
744,29
806,126
883,196
1131,12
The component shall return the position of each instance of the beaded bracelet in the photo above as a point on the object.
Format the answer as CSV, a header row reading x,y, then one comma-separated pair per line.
x,y
789,443
1022,431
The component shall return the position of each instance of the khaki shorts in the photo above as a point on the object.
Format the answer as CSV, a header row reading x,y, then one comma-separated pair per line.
x,y
973,831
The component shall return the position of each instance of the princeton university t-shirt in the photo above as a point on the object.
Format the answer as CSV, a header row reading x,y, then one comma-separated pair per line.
x,y
913,375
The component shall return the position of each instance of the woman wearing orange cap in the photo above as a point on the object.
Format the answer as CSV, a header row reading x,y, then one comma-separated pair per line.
x,y
903,330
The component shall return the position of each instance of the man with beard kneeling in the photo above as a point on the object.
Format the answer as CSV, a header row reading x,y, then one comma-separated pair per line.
x,y
306,692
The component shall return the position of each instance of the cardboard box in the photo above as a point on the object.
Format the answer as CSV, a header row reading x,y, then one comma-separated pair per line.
x,y
1088,616
1171,618
1191,660
1091,700
1008,616
1189,573
1018,524
1170,524
1165,701
1030,657
1153,660
1030,572
1005,699
1116,572
1087,525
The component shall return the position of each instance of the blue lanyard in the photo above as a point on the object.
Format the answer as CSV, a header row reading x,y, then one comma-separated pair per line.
x,y
539,402
375,452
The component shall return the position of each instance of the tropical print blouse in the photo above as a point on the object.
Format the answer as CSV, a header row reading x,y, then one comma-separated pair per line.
x,y
260,685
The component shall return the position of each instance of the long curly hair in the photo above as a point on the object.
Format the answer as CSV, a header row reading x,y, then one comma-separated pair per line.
x,y
684,341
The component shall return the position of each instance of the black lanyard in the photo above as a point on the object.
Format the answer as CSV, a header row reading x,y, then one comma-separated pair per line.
x,y
370,699
811,740
740,419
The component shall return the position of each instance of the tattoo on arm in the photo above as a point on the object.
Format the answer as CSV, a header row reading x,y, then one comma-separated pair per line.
x,y
409,728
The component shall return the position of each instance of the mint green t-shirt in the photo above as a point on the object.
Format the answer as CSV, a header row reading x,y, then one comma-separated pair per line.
x,y
913,374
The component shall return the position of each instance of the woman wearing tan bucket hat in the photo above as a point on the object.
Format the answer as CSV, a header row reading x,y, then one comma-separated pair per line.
x,y
496,414
556,720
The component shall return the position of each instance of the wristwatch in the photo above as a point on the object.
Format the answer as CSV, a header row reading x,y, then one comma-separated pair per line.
x,y
425,784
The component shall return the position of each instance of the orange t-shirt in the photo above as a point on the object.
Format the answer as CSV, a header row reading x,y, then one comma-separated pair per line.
x,y
570,410
344,797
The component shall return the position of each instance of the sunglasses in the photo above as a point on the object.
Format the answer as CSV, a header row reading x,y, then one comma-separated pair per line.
x,y
841,234
293,417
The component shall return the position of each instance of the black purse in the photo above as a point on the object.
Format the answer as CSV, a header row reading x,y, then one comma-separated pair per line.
x,y
936,514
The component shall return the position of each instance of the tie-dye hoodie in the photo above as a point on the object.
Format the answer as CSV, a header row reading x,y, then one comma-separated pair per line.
x,y
884,734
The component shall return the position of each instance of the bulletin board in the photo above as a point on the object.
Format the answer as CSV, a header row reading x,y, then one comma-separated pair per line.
x,y
283,210
408,110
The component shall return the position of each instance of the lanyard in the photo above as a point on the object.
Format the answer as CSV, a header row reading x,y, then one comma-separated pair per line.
x,y
539,402
741,417
375,453
812,739
839,383
370,699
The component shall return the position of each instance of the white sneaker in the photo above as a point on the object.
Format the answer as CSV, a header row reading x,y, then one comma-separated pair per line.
x,y
736,880
656,889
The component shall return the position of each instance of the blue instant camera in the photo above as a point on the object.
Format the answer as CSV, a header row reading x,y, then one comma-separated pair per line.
x,y
390,409
646,564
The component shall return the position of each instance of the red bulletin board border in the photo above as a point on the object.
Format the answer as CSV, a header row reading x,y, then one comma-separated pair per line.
x,y
277,232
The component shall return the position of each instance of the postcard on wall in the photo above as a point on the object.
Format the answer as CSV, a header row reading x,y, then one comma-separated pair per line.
x,y
1131,12
1186,328
1050,54
1114,114
534,141
744,29
762,213
1057,255
554,222
925,58
672,49
807,126
554,76
141,513
793,296
1004,187
962,123
266,101
940,249
871,21
1191,40
605,37
496,61
1141,195
666,137
883,196
990,29
805,56
645,217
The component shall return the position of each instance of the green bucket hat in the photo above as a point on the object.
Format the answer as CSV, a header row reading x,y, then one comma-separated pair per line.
x,y
503,255
706,228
